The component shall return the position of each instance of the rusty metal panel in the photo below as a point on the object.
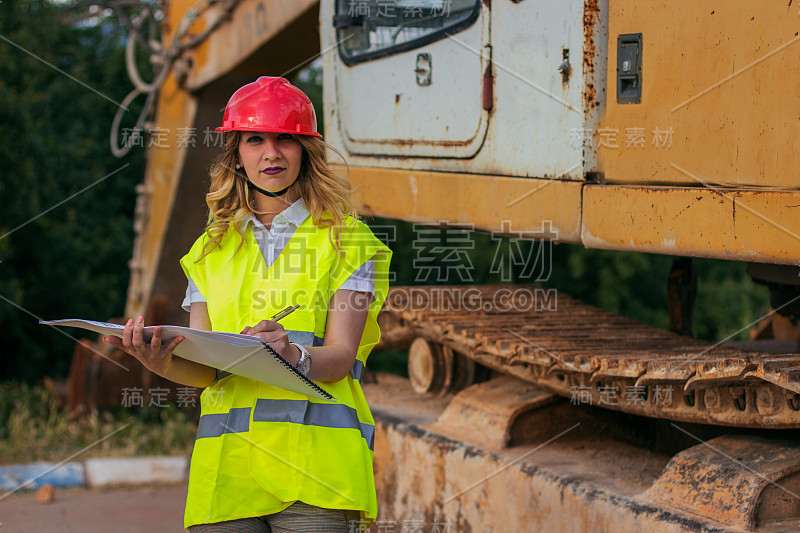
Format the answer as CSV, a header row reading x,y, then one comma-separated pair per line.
x,y
487,411
724,478
550,208
738,224
165,161
572,476
547,81
594,66
719,94
252,24
382,109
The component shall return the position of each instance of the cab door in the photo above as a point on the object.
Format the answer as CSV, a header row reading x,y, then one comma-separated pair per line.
x,y
409,76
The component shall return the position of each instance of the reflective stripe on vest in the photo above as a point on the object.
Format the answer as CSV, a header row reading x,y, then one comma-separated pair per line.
x,y
305,338
237,420
357,370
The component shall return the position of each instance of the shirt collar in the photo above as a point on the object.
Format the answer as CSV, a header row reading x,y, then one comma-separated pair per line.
x,y
295,214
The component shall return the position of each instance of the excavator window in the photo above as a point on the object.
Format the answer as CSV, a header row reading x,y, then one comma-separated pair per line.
x,y
369,29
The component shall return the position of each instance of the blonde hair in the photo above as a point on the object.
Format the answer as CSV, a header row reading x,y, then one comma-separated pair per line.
x,y
329,197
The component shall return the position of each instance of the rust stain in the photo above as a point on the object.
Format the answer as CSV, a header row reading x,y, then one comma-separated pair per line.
x,y
488,88
416,142
565,69
591,16
698,481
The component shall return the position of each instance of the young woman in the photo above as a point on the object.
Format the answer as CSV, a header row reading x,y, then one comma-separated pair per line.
x,y
282,231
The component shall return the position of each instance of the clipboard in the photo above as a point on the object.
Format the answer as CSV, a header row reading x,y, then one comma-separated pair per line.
x,y
243,355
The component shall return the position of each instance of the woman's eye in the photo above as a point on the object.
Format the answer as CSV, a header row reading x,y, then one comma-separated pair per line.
x,y
254,139
284,137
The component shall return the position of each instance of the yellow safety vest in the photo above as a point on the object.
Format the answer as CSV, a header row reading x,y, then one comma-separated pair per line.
x,y
260,448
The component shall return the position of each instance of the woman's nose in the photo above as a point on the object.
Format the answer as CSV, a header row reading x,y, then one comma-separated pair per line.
x,y
271,148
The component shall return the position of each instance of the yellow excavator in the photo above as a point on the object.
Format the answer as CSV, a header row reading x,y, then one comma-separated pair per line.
x,y
660,127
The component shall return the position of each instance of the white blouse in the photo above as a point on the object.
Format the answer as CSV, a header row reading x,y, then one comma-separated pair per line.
x,y
273,241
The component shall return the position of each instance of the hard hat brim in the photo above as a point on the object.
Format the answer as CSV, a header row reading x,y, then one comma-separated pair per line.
x,y
223,129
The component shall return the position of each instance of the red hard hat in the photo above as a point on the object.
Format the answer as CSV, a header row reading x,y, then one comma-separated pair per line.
x,y
270,104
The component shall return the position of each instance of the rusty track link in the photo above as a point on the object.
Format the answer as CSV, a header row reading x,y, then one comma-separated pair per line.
x,y
592,356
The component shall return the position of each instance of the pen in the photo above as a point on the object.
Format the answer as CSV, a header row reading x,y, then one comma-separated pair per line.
x,y
283,314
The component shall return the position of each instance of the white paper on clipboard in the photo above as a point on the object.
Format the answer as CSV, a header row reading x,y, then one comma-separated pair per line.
x,y
243,355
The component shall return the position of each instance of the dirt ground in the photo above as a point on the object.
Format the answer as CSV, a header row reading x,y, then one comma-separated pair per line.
x,y
154,509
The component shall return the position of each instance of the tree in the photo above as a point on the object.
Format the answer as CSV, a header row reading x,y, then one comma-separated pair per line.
x,y
67,203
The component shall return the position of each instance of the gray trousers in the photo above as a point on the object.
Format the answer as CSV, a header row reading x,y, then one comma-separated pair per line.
x,y
297,518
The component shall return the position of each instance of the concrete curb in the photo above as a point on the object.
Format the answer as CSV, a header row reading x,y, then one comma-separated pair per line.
x,y
99,472
33,476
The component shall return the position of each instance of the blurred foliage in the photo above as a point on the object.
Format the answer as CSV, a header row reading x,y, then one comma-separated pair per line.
x,y
393,362
66,225
309,80
33,428
635,285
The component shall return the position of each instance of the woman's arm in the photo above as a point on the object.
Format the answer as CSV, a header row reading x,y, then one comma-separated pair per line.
x,y
347,315
159,359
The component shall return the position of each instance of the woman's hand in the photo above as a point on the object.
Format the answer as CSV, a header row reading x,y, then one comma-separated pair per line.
x,y
273,334
152,355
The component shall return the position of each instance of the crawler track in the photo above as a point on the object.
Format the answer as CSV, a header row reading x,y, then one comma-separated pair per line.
x,y
592,356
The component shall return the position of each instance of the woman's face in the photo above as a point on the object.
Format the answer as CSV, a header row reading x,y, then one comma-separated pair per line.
x,y
270,160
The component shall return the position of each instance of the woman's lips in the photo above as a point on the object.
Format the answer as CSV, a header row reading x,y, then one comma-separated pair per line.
x,y
271,171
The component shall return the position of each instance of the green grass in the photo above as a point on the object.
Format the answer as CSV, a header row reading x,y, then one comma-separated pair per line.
x,y
33,428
